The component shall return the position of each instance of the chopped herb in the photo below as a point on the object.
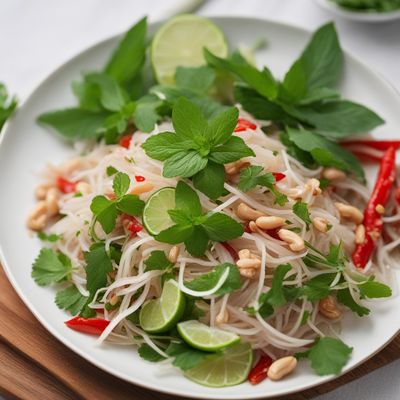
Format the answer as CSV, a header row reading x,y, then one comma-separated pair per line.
x,y
301,210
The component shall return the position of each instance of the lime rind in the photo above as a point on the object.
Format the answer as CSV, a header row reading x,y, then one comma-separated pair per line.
x,y
161,315
228,369
203,337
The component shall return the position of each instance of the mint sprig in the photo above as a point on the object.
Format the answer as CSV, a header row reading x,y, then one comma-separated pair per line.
x,y
198,148
193,227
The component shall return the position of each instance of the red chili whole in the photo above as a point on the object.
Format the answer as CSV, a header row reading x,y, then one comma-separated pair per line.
x,y
372,218
260,371
66,186
92,326
125,141
244,124
231,251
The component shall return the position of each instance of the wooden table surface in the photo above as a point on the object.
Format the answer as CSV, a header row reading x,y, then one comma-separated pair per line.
x,y
35,365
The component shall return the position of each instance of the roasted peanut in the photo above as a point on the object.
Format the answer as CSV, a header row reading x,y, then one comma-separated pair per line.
x,y
142,188
296,243
249,273
320,224
350,212
52,202
360,234
269,222
253,226
328,308
247,213
281,367
246,263
41,190
312,185
380,209
173,254
222,317
37,219
244,253
333,174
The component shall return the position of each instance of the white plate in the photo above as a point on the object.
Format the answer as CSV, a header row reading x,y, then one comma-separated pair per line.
x,y
372,16
26,147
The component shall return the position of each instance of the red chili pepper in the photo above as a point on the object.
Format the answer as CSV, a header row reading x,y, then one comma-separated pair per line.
x,y
132,224
278,176
273,233
140,178
231,251
365,157
244,124
92,326
125,141
397,195
246,227
375,144
65,185
372,219
260,371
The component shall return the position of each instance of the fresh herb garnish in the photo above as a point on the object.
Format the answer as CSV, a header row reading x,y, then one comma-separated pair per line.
x,y
52,237
301,210
185,357
71,299
158,261
194,228
344,296
198,148
149,354
7,105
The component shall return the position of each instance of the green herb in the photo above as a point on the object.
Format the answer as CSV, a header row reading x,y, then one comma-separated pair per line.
x,y
185,357
51,267
198,146
324,183
344,296
106,211
369,5
304,317
158,261
301,210
71,299
197,79
253,176
7,105
149,354
318,287
328,356
194,228
52,237
372,289
210,280
111,170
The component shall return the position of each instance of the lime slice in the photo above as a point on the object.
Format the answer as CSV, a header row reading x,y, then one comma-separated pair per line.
x,y
160,315
205,338
180,42
228,369
155,212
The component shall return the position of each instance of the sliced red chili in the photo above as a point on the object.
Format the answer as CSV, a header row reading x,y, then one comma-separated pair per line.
x,y
244,124
372,218
278,176
246,227
231,251
260,371
374,144
132,224
92,326
66,186
397,195
140,178
125,141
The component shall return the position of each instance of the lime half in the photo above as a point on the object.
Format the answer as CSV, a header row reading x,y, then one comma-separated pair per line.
x,y
155,212
180,42
160,315
228,369
205,338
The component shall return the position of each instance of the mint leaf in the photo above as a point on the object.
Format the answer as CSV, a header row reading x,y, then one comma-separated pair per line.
x,y
374,290
175,234
70,299
107,217
328,356
50,267
214,173
184,164
75,123
344,296
7,105
129,57
111,170
149,354
187,200
210,280
130,204
197,243
98,265
121,184
220,128
198,79
221,227
301,210
233,149
157,261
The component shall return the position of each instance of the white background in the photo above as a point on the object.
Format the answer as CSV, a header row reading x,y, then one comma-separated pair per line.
x,y
38,36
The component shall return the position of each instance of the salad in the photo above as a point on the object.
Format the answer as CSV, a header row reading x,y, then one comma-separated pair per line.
x,y
217,218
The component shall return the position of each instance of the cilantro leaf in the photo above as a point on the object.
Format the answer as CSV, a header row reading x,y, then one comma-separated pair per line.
x,y
328,356
372,290
185,357
318,287
344,296
97,268
121,184
149,354
276,296
70,299
210,280
252,176
52,237
301,210
50,267
7,105
157,261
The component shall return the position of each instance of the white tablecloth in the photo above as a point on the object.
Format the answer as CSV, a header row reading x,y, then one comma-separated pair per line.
x,y
37,36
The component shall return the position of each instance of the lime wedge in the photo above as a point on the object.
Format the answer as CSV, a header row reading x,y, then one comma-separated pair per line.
x,y
228,369
155,212
160,315
205,338
180,42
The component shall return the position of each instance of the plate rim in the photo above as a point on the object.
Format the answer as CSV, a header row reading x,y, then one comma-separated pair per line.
x,y
92,359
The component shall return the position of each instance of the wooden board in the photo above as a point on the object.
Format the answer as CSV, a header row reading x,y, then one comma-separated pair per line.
x,y
35,365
